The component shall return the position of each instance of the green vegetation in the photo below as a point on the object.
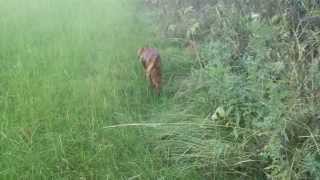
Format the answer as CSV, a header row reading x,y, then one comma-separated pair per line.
x,y
251,110
241,97
68,69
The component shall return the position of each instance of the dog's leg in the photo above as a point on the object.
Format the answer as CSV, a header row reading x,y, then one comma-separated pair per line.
x,y
149,71
155,80
150,67
149,76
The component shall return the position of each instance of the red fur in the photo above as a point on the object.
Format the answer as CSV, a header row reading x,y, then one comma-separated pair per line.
x,y
150,59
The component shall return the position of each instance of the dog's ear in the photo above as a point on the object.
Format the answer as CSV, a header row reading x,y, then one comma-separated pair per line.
x,y
140,51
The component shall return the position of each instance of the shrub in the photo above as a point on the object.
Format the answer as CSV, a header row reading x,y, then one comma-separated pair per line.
x,y
251,111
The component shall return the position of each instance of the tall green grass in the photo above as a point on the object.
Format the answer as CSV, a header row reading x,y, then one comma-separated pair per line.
x,y
68,69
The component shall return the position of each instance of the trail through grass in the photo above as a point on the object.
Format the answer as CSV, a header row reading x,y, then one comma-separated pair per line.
x,y
67,69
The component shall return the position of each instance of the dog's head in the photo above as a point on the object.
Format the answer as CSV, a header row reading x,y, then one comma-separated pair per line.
x,y
140,52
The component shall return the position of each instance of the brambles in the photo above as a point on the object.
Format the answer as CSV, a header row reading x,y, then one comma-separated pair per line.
x,y
263,72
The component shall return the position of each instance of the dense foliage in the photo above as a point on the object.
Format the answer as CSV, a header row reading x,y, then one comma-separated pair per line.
x,y
249,108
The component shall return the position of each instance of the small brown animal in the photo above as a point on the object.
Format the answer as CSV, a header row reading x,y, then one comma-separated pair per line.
x,y
150,59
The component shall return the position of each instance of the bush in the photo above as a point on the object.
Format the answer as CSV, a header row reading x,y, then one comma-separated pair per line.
x,y
252,109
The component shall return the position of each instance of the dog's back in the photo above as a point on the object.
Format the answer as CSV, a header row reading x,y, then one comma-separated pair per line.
x,y
149,54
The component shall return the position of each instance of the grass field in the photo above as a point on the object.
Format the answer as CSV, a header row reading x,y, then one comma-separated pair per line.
x,y
68,69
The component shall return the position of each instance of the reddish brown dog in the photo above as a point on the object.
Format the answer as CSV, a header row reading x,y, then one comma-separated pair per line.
x,y
150,59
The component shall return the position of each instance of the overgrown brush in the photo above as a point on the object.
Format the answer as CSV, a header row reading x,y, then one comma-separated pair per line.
x,y
252,111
